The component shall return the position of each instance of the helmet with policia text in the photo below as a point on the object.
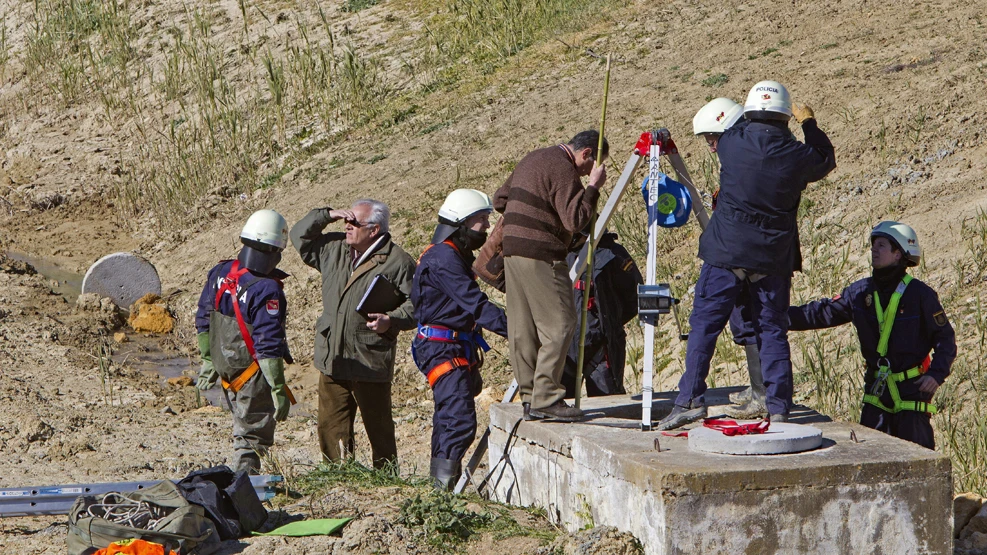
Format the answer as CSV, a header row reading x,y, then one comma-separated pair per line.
x,y
457,208
671,204
716,116
264,236
902,237
768,100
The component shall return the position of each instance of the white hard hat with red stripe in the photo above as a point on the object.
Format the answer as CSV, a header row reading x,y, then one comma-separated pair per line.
x,y
716,116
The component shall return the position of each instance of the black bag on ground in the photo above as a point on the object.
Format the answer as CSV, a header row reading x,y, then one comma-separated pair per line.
x,y
228,499
185,528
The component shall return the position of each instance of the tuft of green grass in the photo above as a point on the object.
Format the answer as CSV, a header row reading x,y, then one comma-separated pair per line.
x,y
357,5
350,472
717,80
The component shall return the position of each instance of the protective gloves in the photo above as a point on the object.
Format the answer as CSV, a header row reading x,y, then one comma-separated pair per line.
x,y
207,372
802,112
273,370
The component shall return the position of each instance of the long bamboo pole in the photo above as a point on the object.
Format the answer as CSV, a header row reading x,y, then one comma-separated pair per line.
x,y
588,280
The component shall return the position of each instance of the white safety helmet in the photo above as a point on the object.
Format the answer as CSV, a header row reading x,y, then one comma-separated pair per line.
x,y
716,116
768,100
265,227
902,237
463,203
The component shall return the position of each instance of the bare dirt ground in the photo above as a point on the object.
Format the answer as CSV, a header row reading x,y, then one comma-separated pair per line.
x,y
898,88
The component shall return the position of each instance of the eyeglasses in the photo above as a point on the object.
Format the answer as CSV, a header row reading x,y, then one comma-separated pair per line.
x,y
357,223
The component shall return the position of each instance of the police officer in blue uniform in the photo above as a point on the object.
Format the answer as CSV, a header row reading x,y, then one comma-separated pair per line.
x,y
715,117
613,303
241,334
899,321
753,237
451,310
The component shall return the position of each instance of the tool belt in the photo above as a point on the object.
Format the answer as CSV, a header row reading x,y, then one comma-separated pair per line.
x,y
473,341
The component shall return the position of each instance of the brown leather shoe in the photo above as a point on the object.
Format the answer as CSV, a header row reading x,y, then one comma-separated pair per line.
x,y
558,410
527,413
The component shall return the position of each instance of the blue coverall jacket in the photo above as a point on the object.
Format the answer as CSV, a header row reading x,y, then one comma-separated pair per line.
x,y
920,327
445,294
763,171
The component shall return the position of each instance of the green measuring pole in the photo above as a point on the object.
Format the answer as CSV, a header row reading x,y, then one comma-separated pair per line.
x,y
591,242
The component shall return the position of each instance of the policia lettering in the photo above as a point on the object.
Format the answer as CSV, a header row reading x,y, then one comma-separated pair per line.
x,y
885,378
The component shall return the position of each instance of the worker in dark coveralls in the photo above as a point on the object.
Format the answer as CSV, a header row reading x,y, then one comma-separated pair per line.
x,y
355,354
241,333
451,310
613,303
899,321
544,203
753,237
715,117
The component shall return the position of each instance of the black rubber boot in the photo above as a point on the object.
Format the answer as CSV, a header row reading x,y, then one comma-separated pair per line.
x,y
680,416
250,463
445,473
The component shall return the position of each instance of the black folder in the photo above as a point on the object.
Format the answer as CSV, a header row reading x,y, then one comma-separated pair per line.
x,y
382,296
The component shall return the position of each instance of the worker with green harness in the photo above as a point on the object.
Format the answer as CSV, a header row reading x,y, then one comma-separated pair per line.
x,y
899,322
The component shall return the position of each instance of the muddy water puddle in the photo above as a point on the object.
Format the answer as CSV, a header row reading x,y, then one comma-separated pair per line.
x,y
142,352
145,353
65,283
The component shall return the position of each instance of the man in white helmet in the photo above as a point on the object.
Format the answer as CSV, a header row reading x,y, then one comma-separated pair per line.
x,y
241,333
451,310
710,122
752,240
899,322
353,352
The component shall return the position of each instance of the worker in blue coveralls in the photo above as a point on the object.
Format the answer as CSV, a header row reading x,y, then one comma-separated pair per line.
x,y
450,309
715,117
241,334
901,376
753,237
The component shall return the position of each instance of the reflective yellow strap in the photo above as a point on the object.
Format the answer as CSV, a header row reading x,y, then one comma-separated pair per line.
x,y
885,319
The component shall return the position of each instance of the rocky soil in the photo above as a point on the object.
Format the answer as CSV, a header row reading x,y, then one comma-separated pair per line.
x,y
898,88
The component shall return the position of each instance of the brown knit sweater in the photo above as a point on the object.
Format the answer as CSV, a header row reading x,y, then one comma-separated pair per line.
x,y
544,203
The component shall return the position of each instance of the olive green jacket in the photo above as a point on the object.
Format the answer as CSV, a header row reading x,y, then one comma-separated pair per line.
x,y
345,348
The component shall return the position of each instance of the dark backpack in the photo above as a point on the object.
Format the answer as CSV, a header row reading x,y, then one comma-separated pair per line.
x,y
229,500
185,529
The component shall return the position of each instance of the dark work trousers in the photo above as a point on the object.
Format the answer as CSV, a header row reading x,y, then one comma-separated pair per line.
x,y
716,296
741,319
908,425
454,420
338,401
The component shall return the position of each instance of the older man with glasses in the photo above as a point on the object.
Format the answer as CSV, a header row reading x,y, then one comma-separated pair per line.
x,y
355,353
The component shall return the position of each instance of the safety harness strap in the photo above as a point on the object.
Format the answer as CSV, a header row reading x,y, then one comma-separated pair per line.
x,y
230,284
442,369
886,378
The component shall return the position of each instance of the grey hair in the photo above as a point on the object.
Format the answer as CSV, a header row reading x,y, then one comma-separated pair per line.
x,y
380,214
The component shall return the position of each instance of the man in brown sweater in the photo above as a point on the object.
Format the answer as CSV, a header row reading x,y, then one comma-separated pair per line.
x,y
544,203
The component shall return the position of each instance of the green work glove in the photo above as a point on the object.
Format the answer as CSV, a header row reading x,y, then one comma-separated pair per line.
x,y
207,372
273,369
802,112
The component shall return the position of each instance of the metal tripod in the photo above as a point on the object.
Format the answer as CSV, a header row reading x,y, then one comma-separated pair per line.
x,y
653,145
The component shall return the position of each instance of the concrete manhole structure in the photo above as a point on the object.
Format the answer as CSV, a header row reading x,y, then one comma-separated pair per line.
x,y
780,439
123,277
